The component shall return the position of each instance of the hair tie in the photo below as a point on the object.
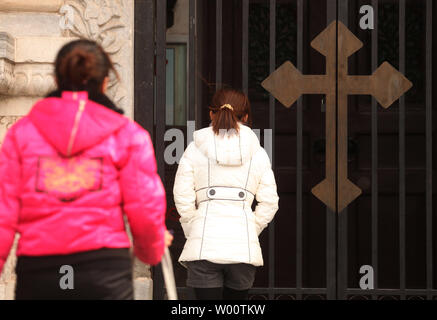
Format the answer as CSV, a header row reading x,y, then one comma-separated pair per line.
x,y
227,106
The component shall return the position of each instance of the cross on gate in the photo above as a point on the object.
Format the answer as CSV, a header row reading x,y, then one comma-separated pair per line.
x,y
287,84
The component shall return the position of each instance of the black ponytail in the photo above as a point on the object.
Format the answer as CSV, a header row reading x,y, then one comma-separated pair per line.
x,y
82,65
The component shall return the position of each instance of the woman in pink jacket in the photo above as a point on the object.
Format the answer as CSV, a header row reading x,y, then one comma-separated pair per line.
x,y
68,171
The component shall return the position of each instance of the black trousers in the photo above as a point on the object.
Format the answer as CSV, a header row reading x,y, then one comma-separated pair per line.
x,y
92,275
223,293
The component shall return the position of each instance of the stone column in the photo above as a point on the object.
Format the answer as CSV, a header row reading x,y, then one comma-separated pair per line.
x,y
31,33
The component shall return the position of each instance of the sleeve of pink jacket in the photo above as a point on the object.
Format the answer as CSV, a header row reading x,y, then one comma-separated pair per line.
x,y
144,197
10,179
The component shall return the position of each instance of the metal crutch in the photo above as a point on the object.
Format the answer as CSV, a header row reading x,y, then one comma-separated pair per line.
x,y
167,271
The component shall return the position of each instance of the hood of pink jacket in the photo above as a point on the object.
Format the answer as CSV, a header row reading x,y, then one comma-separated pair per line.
x,y
55,119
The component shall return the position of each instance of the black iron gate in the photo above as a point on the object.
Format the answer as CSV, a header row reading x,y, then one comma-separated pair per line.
x,y
311,251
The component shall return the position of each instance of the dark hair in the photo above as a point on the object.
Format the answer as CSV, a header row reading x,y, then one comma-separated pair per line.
x,y
226,118
82,65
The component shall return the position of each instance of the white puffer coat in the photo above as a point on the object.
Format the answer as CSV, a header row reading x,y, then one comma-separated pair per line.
x,y
216,182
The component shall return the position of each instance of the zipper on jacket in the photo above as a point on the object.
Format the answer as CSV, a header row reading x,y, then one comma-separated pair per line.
x,y
206,212
77,118
245,213
203,232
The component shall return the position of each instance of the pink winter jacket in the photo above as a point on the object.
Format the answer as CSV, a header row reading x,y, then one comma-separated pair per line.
x,y
68,170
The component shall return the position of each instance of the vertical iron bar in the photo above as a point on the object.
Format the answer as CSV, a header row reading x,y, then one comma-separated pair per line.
x,y
245,46
402,192
375,154
144,64
161,29
331,11
299,160
429,222
342,256
272,50
191,108
219,44
331,216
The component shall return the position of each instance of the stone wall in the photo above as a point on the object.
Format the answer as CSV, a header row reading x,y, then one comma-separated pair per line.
x,y
31,33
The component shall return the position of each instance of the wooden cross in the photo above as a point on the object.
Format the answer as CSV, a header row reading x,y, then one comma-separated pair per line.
x,y
287,84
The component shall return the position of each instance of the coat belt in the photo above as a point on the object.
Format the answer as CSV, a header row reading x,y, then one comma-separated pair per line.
x,y
223,193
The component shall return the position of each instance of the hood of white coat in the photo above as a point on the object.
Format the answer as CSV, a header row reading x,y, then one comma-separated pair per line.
x,y
228,148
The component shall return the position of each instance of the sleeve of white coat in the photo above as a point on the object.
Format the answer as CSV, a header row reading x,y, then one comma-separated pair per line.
x,y
266,195
184,190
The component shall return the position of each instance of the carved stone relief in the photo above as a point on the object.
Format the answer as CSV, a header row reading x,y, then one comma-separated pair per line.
x,y
7,279
26,79
5,123
23,76
110,24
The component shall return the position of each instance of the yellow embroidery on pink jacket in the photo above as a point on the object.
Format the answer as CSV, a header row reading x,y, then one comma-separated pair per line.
x,y
69,177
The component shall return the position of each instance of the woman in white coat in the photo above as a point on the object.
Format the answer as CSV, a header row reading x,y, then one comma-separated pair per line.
x,y
220,174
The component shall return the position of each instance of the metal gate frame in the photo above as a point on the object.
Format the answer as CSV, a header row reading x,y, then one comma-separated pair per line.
x,y
150,63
